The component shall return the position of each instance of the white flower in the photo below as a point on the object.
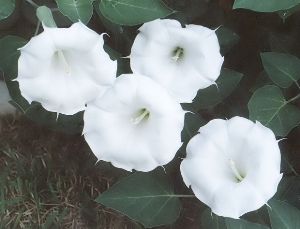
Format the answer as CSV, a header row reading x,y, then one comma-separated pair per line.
x,y
134,125
233,166
183,60
65,68
5,106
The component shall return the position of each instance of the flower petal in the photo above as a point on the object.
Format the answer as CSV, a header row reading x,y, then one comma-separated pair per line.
x,y
113,134
198,66
65,68
233,166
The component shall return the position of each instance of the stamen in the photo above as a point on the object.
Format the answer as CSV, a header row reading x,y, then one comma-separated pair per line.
x,y
62,57
235,171
178,54
143,114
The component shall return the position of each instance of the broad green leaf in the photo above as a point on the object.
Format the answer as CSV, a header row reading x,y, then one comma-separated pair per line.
x,y
289,190
287,166
243,224
192,123
284,14
227,39
109,25
283,215
113,54
70,124
145,197
7,7
265,5
133,12
44,14
283,69
213,95
212,221
9,54
268,106
123,63
76,10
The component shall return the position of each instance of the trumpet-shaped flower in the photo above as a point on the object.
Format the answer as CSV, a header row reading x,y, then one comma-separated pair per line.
x,y
233,166
182,59
135,125
65,68
5,106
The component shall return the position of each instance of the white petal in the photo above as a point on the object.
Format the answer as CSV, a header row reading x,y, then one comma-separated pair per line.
x,y
152,54
226,151
65,68
234,200
110,131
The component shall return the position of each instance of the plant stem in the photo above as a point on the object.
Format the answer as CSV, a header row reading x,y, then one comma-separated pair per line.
x,y
294,98
32,3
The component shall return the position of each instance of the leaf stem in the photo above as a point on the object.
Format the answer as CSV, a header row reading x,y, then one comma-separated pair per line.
x,y
32,3
294,98
185,196
297,84
37,28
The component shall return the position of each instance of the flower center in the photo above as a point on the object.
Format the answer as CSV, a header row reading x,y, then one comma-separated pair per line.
x,y
177,54
235,171
140,116
59,54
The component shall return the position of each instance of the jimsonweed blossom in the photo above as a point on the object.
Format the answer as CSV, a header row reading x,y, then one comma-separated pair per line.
x,y
182,59
65,68
5,106
134,125
233,166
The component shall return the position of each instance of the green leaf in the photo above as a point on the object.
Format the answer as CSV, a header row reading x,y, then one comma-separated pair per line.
x,y
289,190
212,221
243,224
123,63
268,106
227,39
145,197
133,12
44,14
9,54
213,95
7,7
109,25
283,69
284,14
70,124
76,10
283,216
265,5
192,123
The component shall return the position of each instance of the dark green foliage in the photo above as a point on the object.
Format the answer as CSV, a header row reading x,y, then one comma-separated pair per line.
x,y
145,197
50,180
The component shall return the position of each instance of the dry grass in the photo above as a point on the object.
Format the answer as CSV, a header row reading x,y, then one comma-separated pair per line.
x,y
49,180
